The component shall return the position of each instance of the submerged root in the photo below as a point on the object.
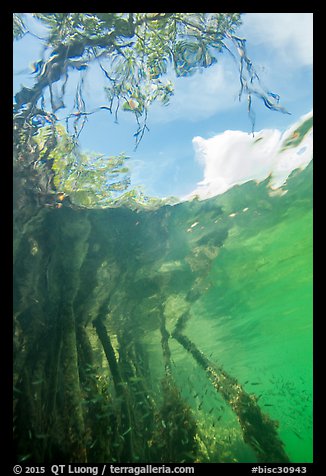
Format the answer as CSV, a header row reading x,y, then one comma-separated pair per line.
x,y
259,431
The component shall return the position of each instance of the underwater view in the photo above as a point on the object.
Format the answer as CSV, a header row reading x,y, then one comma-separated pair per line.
x,y
162,296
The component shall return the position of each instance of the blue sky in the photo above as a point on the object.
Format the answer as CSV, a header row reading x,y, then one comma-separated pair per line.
x,y
205,105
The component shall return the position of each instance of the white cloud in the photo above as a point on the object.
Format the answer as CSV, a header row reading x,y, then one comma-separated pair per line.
x,y
235,157
289,36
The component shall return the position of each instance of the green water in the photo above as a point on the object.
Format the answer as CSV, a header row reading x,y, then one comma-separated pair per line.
x,y
256,318
238,266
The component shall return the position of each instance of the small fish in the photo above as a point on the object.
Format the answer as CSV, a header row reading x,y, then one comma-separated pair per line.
x,y
297,434
126,432
256,443
24,458
255,383
210,411
136,379
268,405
